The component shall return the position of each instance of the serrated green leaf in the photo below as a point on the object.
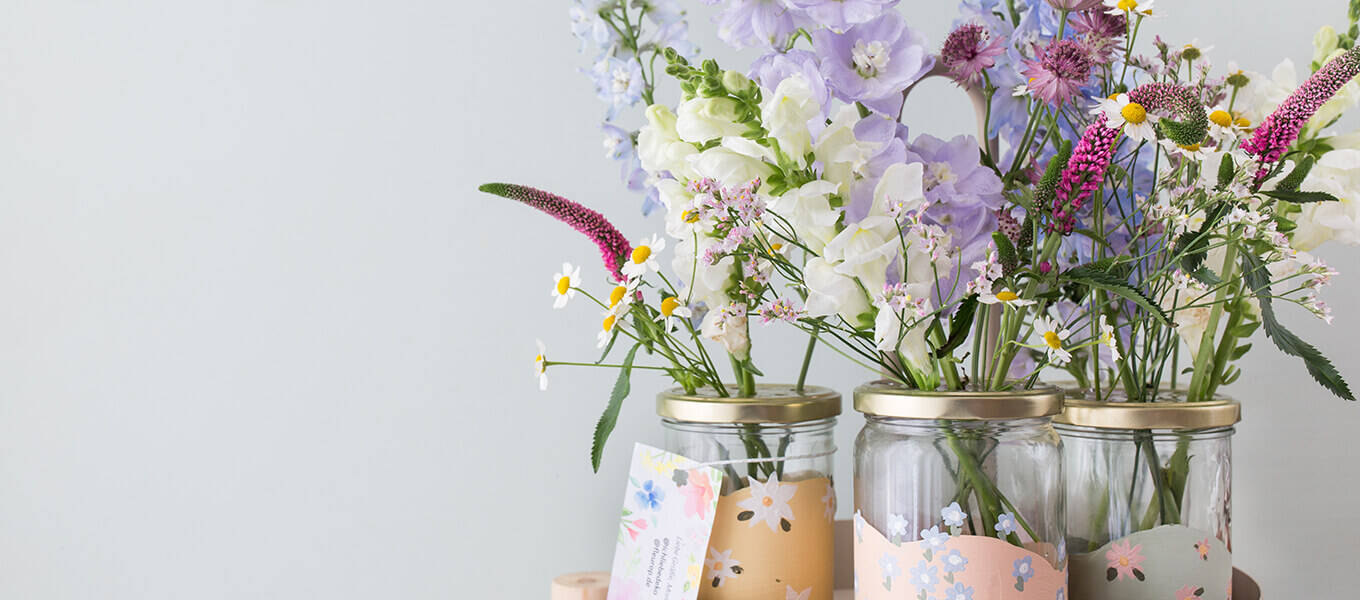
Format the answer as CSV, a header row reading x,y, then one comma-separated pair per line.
x,y
1206,276
1103,280
1005,253
1226,168
1295,178
1299,197
959,325
1322,370
1193,246
605,425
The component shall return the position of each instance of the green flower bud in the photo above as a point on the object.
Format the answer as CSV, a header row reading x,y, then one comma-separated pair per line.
x,y
736,83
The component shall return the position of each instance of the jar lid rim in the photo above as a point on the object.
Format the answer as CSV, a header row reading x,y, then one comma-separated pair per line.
x,y
1176,416
889,399
773,403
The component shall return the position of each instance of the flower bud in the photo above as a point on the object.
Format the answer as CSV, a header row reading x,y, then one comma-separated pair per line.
x,y
736,83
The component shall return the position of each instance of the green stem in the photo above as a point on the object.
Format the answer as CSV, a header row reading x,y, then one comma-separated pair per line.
x,y
807,356
1201,380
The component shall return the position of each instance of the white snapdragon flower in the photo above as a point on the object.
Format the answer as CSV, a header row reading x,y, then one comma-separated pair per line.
x,y
808,209
699,120
900,190
1337,173
660,148
728,326
844,158
833,293
785,114
864,250
735,162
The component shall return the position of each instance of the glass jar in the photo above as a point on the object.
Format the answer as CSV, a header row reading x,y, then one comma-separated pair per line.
x,y
773,529
1149,496
957,491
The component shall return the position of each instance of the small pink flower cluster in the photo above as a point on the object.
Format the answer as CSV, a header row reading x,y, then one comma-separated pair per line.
x,y
780,309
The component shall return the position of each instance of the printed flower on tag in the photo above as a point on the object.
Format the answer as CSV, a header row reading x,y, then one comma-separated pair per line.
x,y
721,566
1023,570
650,496
698,494
769,502
1125,561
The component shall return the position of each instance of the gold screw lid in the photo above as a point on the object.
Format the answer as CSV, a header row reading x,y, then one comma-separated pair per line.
x,y
1173,415
773,403
889,399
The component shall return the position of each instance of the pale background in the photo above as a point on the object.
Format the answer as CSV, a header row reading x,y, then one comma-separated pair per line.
x,y
261,338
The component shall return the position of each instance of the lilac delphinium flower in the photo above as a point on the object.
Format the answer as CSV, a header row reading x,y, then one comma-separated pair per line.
x,y
963,197
968,51
874,61
767,23
588,26
839,14
1059,71
613,246
1277,133
618,82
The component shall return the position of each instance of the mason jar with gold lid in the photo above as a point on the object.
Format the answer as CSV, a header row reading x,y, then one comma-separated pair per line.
x,y
958,493
777,503
1149,495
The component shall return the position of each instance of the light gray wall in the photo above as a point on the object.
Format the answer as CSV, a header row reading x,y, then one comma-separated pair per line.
x,y
260,337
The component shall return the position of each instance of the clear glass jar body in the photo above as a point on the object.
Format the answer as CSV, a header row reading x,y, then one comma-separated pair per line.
x,y
1122,481
911,468
774,524
716,442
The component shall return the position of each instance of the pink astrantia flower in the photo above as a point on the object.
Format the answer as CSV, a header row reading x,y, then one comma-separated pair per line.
x,y
1125,560
967,52
1058,72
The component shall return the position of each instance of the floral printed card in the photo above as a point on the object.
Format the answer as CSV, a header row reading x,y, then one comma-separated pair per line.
x,y
668,513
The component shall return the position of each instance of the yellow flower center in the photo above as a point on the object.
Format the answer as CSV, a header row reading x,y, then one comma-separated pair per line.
x,y
1221,118
1123,561
1242,122
668,305
538,359
608,323
641,254
1114,96
776,246
1007,296
563,285
689,216
1051,338
1190,148
1127,4
1133,112
767,501
617,295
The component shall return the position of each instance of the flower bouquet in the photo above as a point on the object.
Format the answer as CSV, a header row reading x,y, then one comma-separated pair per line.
x,y
1126,214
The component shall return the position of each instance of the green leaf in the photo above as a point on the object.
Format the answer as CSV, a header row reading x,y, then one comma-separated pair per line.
x,y
1206,276
605,426
1239,352
1299,197
1295,178
959,324
1005,253
610,346
1244,330
1098,279
1192,246
750,366
1322,370
1225,170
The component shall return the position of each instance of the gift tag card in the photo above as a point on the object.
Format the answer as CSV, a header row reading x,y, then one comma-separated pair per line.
x,y
668,513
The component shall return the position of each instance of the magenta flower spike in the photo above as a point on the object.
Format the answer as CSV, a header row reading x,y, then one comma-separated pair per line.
x,y
614,248
1091,157
1279,131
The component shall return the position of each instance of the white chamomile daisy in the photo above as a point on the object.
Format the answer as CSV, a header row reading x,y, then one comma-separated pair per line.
x,y
1195,152
671,313
1119,7
1133,117
1107,338
1053,336
541,366
1005,297
606,329
644,257
622,297
565,283
1223,126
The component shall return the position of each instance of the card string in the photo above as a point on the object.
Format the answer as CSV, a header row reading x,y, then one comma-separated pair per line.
x,y
745,461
